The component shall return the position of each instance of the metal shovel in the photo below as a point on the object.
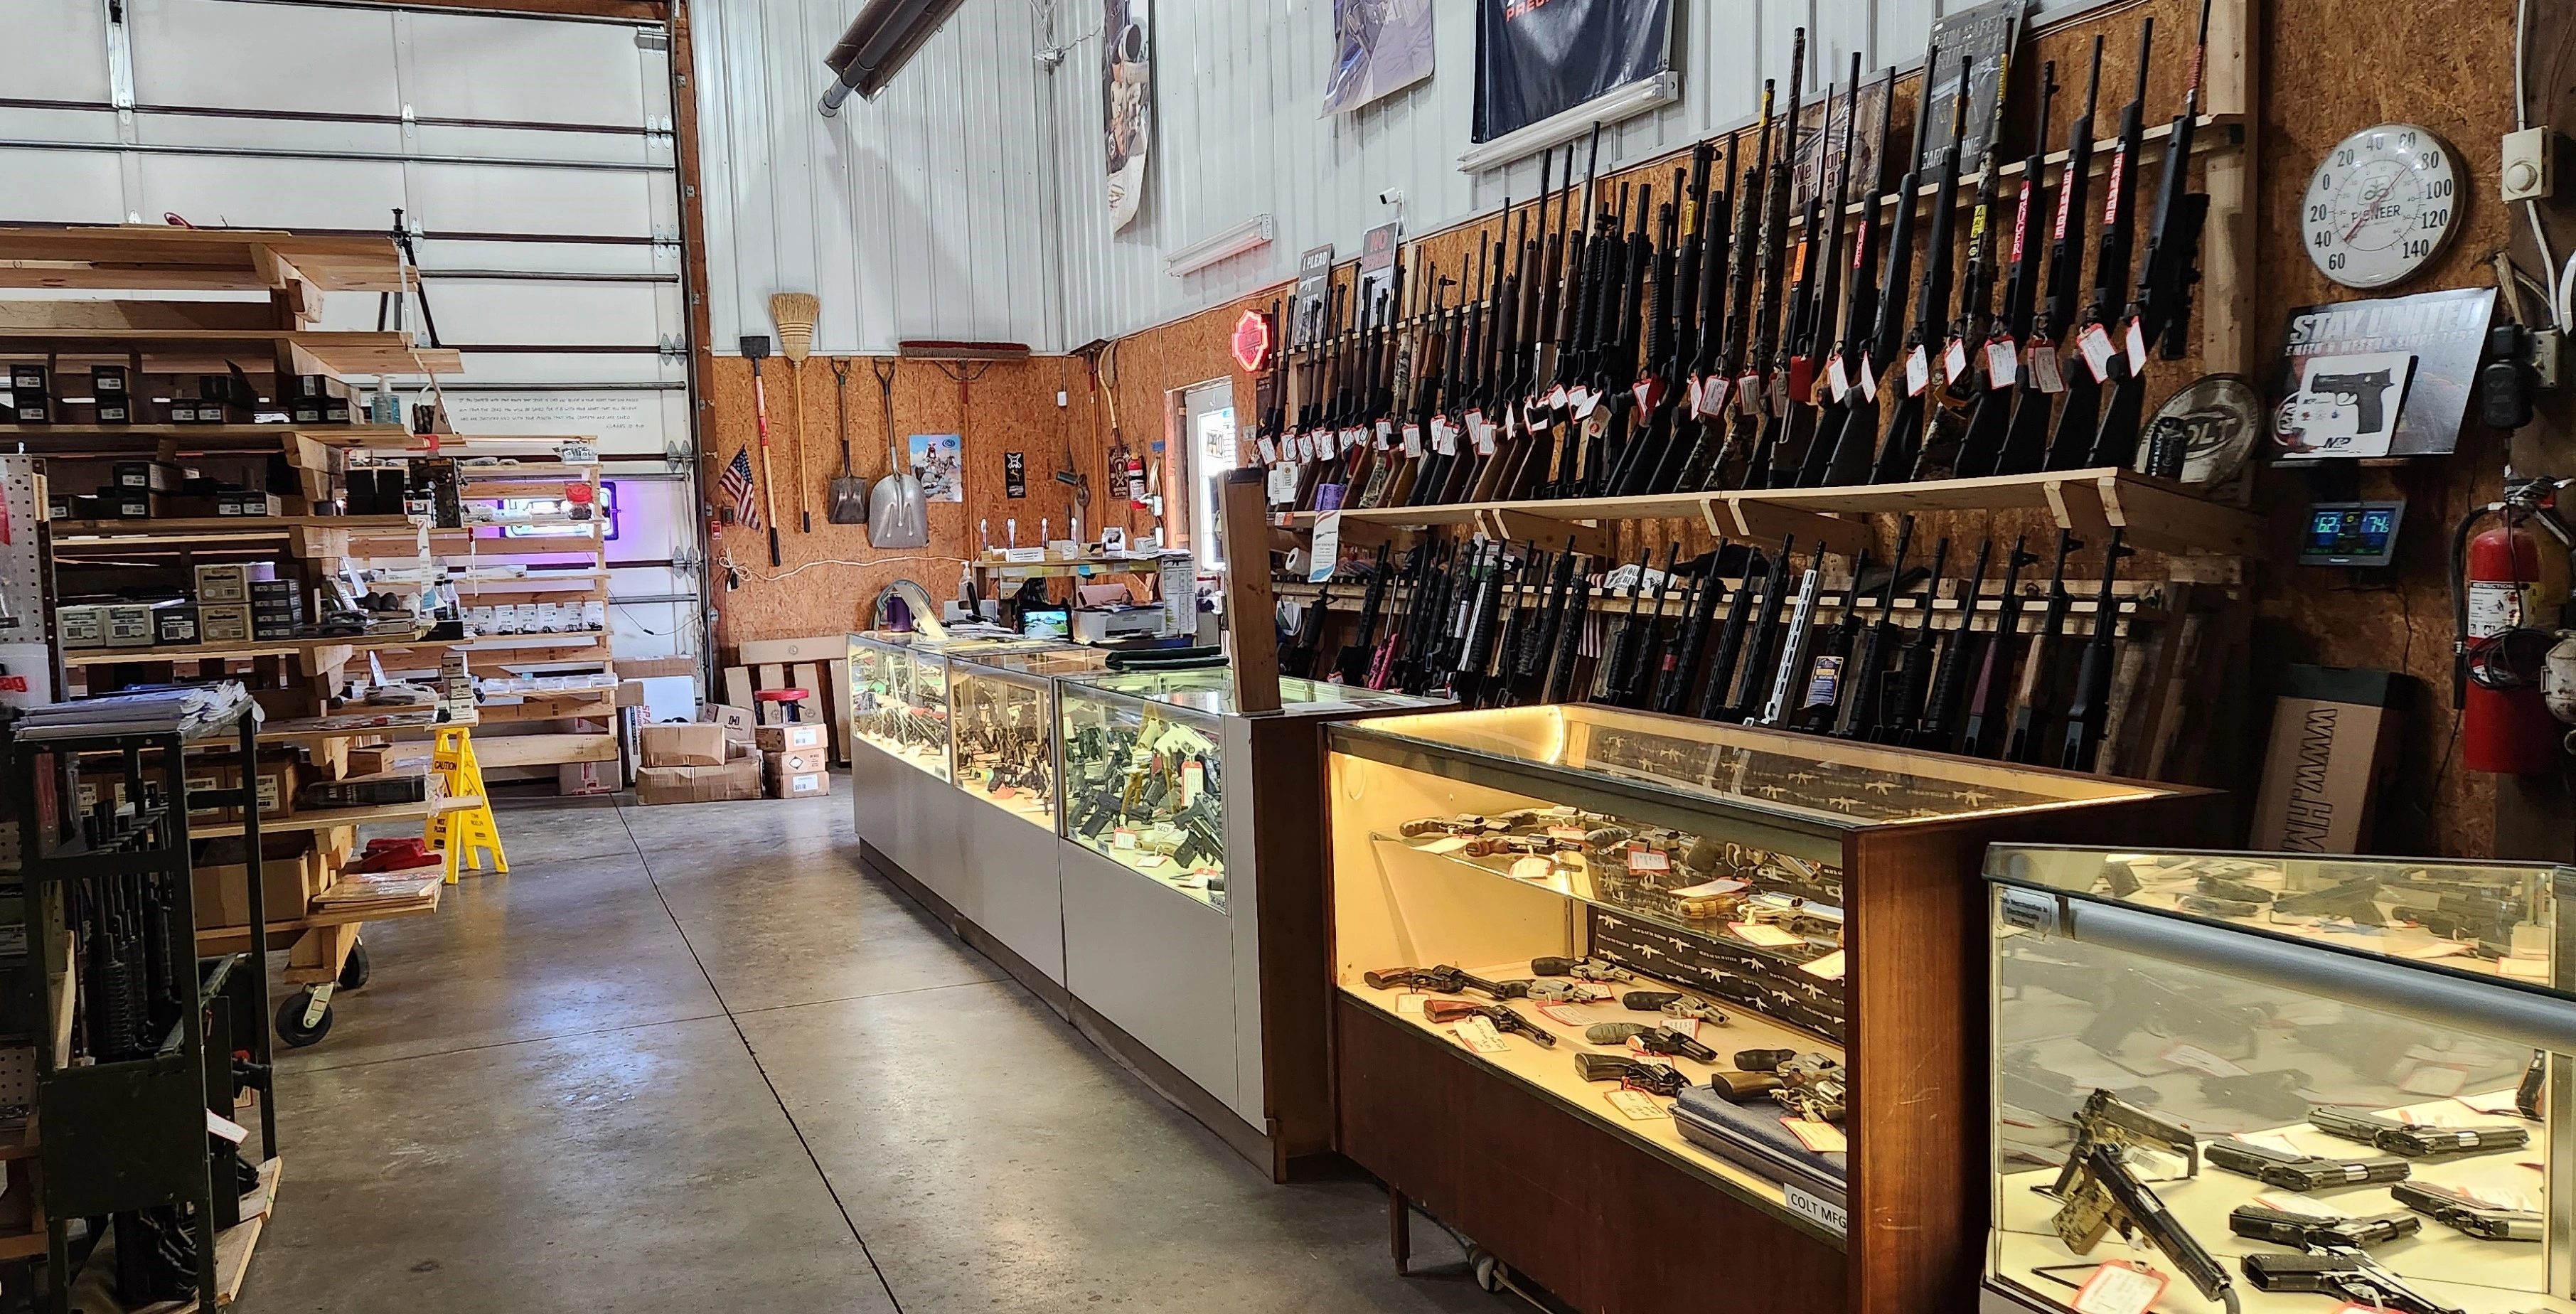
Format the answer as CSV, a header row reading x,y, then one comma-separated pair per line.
x,y
848,503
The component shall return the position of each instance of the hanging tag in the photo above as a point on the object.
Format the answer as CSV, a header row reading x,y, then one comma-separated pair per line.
x,y
1918,371
1780,392
1478,1034
1712,397
2003,364
2044,372
1385,434
1868,380
1556,397
1748,395
1444,437
1827,968
1818,1137
1269,452
1649,392
2119,1287
2137,345
2095,343
1802,379
1484,440
1838,378
1478,428
1413,440
1282,483
1532,868
1954,363
1585,400
1534,416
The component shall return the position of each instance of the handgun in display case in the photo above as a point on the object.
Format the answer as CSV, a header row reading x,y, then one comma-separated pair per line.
x,y
1750,956
1002,708
2279,1082
899,691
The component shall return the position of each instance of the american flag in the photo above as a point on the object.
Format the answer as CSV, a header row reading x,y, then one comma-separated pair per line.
x,y
737,485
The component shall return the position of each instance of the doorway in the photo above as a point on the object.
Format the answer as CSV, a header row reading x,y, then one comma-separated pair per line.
x,y
1207,445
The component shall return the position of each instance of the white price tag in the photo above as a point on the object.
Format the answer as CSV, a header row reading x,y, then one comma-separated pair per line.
x,y
1532,868
1649,860
1122,838
1269,452
1868,380
1478,1034
1413,440
1282,483
1585,400
1484,439
1712,397
1763,933
1648,391
2095,343
1683,1026
1828,968
2119,1287
1556,397
2136,342
1748,395
1819,1137
1636,1105
1954,363
1411,1003
1918,371
2044,373
1444,439
219,1125
2003,364
1836,377
1385,434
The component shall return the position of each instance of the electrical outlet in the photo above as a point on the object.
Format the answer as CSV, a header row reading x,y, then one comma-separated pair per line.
x,y
2530,166
1060,398
2544,357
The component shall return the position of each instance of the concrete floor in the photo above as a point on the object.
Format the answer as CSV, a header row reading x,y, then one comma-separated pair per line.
x,y
689,1055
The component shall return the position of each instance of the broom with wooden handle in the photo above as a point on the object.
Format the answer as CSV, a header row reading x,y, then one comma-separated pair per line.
x,y
795,313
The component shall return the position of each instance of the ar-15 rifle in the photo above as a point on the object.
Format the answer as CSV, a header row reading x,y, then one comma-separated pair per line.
x,y
1681,661
1653,388
1726,319
2090,709
1444,979
1620,664
2461,1211
1828,670
1678,431
1777,709
1901,711
1943,705
2030,707
1764,392
1856,445
1351,665
1298,658
1484,626
1948,436
1981,453
1652,1078
1501,1015
1850,351
1900,455
1866,711
2160,310
2343,1271
1538,642
2416,1140
1730,641
2098,1192
2301,1172
1569,638
1982,733
2077,420
2025,446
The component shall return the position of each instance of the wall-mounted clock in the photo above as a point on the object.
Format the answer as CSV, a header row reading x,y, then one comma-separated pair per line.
x,y
2380,205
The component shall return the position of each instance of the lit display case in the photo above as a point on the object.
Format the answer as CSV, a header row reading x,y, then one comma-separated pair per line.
x,y
1747,955
898,701
1002,710
2287,1083
1144,767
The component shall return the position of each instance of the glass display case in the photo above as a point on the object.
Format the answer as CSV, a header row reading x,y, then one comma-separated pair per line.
x,y
899,691
2287,1083
1144,780
1654,922
1002,705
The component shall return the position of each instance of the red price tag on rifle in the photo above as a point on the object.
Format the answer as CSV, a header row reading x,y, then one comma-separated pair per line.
x,y
2095,343
2003,364
1413,440
2119,1287
1269,452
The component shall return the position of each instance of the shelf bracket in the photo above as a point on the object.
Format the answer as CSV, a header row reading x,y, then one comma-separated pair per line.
x,y
1749,519
1512,526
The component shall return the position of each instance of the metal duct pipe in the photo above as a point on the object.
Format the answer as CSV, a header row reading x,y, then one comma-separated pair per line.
x,y
876,45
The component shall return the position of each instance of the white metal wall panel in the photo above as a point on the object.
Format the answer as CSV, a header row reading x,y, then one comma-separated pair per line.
x,y
301,58
920,214
43,57
255,192
61,187
503,69
1236,134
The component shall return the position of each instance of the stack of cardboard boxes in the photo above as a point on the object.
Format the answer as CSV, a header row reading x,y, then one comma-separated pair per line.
x,y
723,757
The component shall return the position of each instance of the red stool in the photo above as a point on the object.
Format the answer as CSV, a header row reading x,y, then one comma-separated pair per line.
x,y
793,701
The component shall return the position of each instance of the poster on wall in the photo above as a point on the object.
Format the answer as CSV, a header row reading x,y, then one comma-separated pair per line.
x,y
1127,103
1314,294
2386,377
1534,61
1984,35
937,462
1380,47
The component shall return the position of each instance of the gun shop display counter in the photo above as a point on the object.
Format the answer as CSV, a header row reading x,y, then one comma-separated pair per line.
x,y
1607,978
2229,1081
1073,823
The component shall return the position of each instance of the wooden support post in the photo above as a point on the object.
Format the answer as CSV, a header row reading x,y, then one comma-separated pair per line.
x,y
2227,259
1249,608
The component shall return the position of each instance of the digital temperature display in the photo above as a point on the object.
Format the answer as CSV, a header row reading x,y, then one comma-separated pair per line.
x,y
2351,533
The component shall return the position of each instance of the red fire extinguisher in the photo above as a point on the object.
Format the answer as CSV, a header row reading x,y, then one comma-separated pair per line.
x,y
2506,599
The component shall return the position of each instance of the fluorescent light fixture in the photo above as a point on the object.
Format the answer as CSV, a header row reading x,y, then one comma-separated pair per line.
x,y
1563,126
1250,235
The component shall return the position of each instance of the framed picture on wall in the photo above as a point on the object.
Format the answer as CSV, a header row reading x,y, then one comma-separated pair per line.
x,y
937,460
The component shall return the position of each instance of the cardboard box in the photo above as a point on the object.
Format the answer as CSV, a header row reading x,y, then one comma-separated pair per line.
x,y
573,779
798,761
803,784
2334,742
223,622
786,738
204,777
276,777
683,744
698,784
382,758
737,721
288,879
223,583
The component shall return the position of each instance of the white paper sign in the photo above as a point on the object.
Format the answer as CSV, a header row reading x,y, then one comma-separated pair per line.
x,y
2003,364
1327,551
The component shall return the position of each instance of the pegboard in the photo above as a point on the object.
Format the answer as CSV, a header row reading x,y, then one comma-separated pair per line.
x,y
26,607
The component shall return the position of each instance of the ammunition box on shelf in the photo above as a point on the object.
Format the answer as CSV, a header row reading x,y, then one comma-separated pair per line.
x,y
223,583
125,625
81,625
366,792
29,408
106,412
174,623
149,476
223,622
106,381
128,504
28,378
248,504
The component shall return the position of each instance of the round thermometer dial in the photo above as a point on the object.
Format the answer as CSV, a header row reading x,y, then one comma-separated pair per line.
x,y
2381,204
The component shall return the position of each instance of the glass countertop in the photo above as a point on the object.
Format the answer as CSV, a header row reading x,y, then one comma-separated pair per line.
x,y
1210,689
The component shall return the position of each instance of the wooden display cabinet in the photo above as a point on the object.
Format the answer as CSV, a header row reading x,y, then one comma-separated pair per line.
x,y
1829,903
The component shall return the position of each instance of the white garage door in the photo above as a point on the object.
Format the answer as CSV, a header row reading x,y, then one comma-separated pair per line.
x,y
530,157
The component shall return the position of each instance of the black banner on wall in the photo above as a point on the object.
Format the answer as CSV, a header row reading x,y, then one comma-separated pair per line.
x,y
1538,58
